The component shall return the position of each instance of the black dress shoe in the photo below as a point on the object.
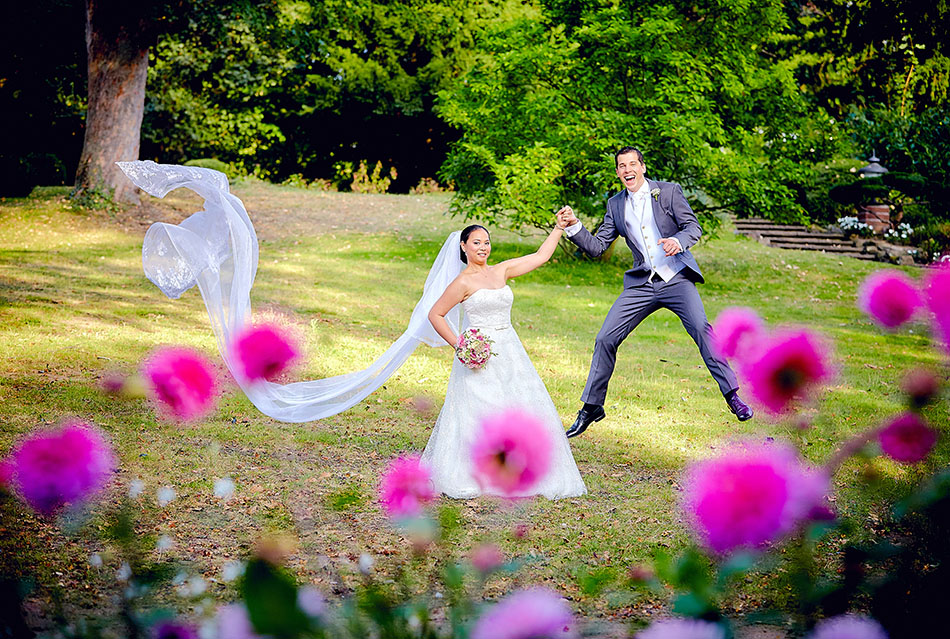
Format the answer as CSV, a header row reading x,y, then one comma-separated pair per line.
x,y
739,408
586,417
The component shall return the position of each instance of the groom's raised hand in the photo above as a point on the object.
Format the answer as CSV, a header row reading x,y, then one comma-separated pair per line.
x,y
671,246
566,217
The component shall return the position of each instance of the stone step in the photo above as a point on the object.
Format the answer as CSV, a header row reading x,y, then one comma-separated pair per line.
x,y
837,250
793,233
805,239
760,224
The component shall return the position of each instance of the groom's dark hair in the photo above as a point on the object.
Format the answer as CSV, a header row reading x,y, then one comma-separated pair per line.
x,y
628,149
465,233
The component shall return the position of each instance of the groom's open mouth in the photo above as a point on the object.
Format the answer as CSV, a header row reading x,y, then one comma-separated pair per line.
x,y
630,178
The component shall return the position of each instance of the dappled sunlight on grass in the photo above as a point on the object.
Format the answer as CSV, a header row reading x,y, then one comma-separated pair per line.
x,y
345,271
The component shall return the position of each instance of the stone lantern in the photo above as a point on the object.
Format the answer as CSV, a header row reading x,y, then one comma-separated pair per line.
x,y
877,216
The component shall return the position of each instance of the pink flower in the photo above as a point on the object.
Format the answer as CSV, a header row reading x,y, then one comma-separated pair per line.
x,y
937,294
487,557
406,486
848,627
512,452
907,438
182,381
736,332
67,465
233,622
789,367
263,352
751,495
889,297
683,629
526,614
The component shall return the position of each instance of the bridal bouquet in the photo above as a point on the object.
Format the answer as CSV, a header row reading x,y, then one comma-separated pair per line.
x,y
473,349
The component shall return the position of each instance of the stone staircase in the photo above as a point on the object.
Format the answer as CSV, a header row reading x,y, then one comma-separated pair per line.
x,y
795,236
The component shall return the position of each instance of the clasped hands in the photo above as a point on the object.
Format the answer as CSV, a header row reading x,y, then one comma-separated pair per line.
x,y
566,218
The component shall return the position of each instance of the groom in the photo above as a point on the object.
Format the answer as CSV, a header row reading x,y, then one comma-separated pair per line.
x,y
659,227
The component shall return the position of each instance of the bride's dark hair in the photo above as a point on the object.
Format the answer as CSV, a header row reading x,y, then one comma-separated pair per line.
x,y
465,233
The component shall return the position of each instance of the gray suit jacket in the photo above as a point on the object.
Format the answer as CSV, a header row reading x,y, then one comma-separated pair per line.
x,y
674,218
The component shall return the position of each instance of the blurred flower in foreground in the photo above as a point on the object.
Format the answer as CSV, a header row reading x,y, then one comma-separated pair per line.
x,y
907,438
174,630
136,487
526,614
182,381
921,386
405,487
848,627
683,629
889,297
263,352
937,294
311,601
487,557
751,495
232,569
790,366
234,623
736,332
65,465
512,452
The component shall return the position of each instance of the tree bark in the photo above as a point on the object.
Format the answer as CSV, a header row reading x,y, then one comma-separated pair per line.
x,y
118,39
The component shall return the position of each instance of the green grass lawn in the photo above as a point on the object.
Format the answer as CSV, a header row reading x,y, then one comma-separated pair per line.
x,y
345,270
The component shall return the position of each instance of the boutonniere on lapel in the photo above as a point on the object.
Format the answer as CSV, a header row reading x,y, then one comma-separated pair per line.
x,y
655,192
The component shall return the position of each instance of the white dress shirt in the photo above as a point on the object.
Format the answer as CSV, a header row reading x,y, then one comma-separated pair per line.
x,y
642,229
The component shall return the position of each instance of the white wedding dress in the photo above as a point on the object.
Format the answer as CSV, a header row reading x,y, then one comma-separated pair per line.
x,y
508,380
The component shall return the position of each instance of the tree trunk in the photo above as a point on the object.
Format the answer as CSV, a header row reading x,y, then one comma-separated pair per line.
x,y
117,43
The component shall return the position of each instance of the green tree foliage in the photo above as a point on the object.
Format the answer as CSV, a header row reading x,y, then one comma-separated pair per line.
x,y
697,87
294,87
852,55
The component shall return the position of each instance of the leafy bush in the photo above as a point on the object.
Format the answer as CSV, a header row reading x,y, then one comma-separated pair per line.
x,y
210,163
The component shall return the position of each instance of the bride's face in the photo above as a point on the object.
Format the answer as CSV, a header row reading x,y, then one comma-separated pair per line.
x,y
478,247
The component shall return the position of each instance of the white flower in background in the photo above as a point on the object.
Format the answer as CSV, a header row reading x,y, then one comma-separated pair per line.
x,y
180,578
165,495
95,560
124,572
164,543
224,488
197,586
231,570
136,487
366,564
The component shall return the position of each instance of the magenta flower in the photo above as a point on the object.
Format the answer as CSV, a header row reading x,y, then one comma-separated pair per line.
x,y
67,465
682,629
848,627
751,495
788,367
512,452
736,332
907,438
937,294
486,558
405,487
182,381
526,614
263,352
174,630
889,297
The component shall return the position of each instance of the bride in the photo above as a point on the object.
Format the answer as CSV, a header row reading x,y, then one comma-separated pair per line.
x,y
507,380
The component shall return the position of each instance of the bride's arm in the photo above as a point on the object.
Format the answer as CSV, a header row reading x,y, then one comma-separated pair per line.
x,y
526,264
453,295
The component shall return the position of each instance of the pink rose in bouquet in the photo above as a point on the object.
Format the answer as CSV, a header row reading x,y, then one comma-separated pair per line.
x,y
474,349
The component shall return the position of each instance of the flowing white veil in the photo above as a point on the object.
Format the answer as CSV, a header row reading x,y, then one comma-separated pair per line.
x,y
216,248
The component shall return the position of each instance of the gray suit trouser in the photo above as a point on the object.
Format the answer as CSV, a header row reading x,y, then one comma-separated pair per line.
x,y
632,307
